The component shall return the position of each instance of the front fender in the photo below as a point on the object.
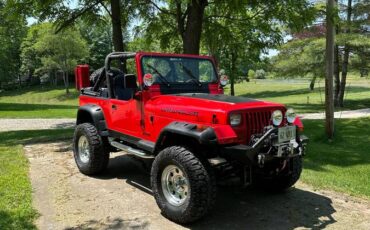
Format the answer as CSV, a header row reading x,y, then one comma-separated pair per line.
x,y
205,136
92,114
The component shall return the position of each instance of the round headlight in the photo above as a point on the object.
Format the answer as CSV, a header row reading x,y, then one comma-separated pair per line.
x,y
290,115
277,117
235,119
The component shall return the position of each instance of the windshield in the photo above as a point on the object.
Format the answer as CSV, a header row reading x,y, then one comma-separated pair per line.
x,y
179,70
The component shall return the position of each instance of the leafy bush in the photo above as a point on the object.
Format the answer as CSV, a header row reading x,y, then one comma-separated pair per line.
x,y
260,74
251,74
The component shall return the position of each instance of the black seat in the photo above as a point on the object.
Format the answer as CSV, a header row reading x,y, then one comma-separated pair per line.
x,y
125,86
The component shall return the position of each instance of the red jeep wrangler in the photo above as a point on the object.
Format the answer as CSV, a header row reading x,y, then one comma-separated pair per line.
x,y
171,108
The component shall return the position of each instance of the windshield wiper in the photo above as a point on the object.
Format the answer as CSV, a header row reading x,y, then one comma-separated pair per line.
x,y
159,74
190,74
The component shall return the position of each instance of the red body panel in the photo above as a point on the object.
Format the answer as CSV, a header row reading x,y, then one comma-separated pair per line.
x,y
145,118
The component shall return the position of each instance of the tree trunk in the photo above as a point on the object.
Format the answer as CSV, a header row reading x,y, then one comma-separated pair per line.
x,y
312,83
345,57
20,80
117,26
66,81
336,75
117,29
336,66
193,30
233,73
329,103
55,78
343,81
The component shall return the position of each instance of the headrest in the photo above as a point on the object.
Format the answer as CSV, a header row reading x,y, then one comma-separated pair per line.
x,y
119,80
130,81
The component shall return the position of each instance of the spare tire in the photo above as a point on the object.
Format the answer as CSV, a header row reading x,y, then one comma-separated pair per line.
x,y
96,74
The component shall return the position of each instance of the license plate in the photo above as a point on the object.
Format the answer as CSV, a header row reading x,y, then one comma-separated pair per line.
x,y
287,133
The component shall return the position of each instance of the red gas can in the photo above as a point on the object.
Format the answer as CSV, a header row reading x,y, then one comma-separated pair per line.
x,y
82,76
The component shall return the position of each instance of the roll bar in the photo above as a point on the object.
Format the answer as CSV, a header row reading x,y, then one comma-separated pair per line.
x,y
107,67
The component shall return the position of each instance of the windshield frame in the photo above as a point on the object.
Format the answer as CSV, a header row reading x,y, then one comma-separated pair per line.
x,y
181,56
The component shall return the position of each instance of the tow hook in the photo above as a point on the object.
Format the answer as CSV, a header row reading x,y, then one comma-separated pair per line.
x,y
261,160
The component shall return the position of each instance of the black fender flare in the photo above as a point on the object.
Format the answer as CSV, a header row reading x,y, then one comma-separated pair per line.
x,y
92,114
206,136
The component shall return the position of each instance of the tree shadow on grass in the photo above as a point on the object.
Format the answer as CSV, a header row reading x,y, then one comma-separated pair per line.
x,y
349,147
16,221
270,92
30,89
32,107
238,208
24,137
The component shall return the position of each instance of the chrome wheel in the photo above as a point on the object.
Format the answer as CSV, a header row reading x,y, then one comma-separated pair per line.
x,y
83,149
175,185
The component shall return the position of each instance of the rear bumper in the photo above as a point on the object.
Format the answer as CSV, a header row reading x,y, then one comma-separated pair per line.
x,y
247,154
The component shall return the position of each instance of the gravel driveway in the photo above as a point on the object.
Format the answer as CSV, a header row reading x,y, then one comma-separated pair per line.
x,y
32,124
121,199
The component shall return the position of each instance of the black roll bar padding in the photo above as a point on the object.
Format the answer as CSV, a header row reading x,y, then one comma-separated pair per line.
x,y
108,59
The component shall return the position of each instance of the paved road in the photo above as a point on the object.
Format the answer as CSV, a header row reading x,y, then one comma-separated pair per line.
x,y
121,199
32,124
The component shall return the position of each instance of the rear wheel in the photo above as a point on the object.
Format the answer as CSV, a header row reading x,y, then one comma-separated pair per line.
x,y
90,151
183,186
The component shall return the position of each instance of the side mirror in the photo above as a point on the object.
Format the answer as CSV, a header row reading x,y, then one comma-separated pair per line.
x,y
148,80
224,80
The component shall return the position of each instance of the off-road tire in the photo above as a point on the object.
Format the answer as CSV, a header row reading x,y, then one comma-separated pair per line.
x,y
99,153
284,181
201,182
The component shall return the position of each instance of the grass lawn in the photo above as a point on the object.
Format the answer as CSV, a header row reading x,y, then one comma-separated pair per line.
x,y
16,211
296,93
342,165
37,102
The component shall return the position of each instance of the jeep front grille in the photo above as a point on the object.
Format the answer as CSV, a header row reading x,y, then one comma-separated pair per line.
x,y
256,121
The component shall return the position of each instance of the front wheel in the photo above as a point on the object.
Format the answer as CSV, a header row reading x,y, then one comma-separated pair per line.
x,y
184,187
89,150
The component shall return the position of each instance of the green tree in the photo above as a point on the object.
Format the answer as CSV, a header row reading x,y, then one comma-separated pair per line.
x,y
12,30
53,52
301,58
304,54
354,39
64,16
98,35
187,18
235,32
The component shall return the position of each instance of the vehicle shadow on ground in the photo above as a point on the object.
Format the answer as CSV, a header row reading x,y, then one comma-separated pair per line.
x,y
116,223
238,208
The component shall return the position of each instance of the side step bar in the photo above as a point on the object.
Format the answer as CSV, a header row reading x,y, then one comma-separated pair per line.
x,y
129,149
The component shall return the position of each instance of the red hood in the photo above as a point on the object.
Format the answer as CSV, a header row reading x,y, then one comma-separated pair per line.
x,y
201,107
